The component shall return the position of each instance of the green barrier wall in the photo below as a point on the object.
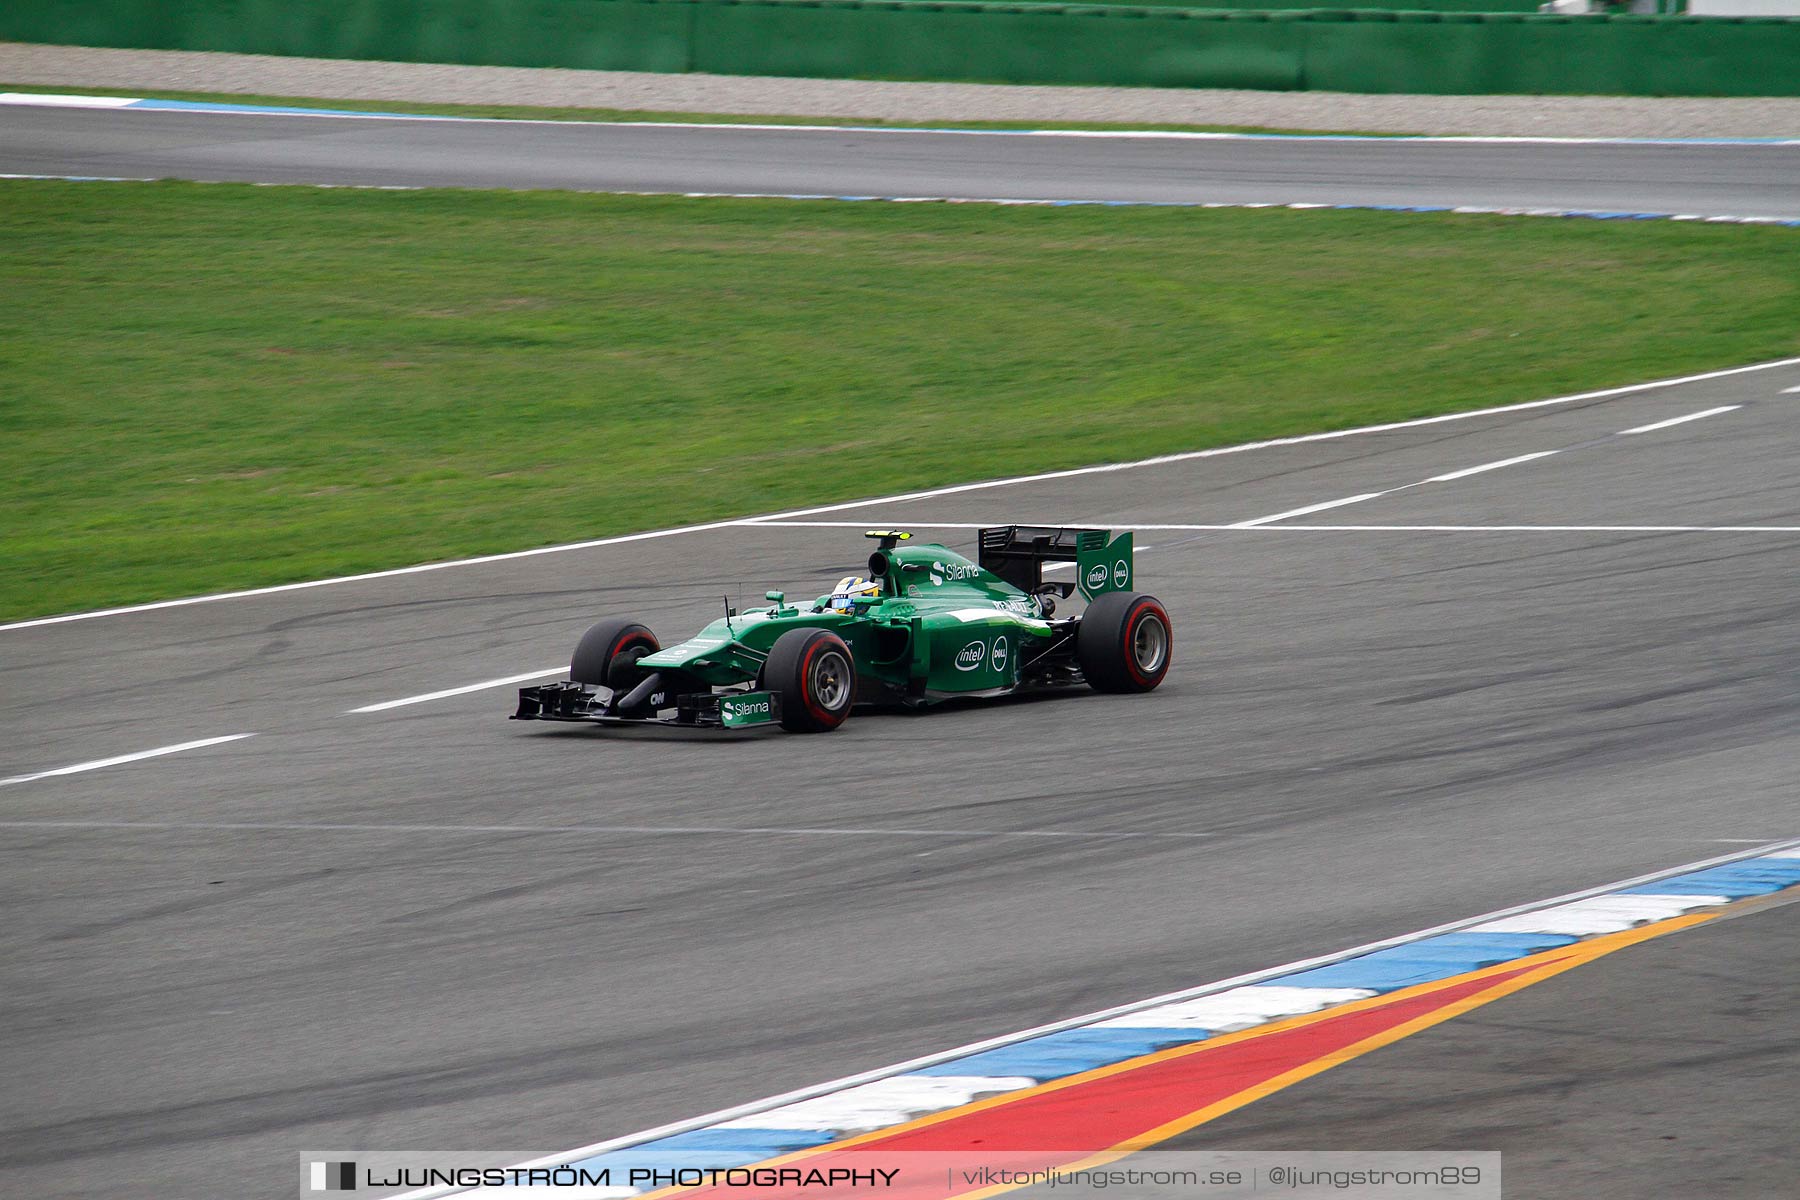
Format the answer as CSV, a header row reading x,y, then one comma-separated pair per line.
x,y
1359,50
1460,6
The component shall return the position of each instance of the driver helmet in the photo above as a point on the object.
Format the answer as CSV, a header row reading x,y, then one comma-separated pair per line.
x,y
852,588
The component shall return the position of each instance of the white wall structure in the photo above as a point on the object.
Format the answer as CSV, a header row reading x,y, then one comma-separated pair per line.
x,y
1743,8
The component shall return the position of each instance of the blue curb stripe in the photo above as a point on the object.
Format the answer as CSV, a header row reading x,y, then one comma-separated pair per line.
x,y
1470,210
1426,960
708,1149
732,1139
1731,890
1123,131
207,106
1068,1053
1376,973
1296,206
622,1161
762,1141
1483,949
1735,880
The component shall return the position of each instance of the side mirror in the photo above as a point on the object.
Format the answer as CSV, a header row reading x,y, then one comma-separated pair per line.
x,y
776,597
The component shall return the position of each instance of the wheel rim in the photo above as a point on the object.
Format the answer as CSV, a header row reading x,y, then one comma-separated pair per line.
x,y
1150,644
831,680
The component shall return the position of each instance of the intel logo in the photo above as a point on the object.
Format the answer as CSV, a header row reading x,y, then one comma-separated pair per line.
x,y
971,656
1096,576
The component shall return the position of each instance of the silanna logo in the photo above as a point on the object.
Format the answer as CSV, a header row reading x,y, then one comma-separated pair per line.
x,y
332,1176
743,708
952,571
971,656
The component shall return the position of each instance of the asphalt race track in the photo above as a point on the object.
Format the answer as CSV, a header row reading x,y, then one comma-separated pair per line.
x,y
1698,178
422,926
1685,1089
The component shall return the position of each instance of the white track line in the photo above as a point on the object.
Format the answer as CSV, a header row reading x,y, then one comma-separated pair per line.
x,y
915,1064
1310,508
1447,477
238,109
1133,525
654,830
54,100
1789,391
1652,428
1493,466
98,763
1519,528
1288,528
778,523
1464,473
1188,456
457,691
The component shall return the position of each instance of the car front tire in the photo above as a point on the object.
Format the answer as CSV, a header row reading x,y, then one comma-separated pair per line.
x,y
608,653
814,673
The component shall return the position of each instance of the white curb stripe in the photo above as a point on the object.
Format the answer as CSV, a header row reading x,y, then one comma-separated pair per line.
x,y
881,1103
1607,914
1239,1008
54,101
1612,908
232,108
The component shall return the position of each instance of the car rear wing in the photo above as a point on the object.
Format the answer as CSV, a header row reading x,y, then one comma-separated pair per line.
x,y
1017,554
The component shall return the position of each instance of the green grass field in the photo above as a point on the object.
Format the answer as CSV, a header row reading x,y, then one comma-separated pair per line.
x,y
218,386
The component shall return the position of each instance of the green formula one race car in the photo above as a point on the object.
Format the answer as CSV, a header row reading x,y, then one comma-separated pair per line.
x,y
926,625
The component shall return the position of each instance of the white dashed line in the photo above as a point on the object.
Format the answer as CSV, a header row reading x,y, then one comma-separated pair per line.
x,y
98,763
1507,528
1139,527
1711,412
1493,466
776,523
1311,508
1445,478
457,691
1103,468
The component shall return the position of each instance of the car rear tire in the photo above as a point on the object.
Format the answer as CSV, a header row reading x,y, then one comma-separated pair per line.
x,y
608,654
1124,642
814,673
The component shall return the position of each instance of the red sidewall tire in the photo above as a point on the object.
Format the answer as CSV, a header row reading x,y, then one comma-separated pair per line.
x,y
1144,607
596,659
1106,642
790,673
